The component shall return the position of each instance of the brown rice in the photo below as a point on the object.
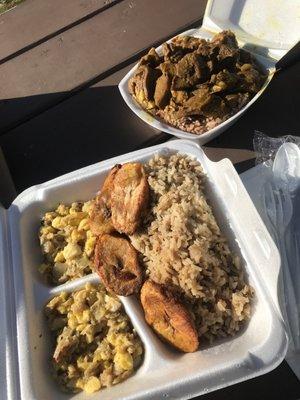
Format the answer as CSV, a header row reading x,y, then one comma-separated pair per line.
x,y
183,247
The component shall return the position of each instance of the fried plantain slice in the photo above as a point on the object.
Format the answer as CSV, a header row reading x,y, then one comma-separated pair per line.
x,y
168,317
100,219
116,261
129,198
108,184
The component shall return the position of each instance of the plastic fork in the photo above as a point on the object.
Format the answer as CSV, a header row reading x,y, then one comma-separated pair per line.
x,y
284,214
278,210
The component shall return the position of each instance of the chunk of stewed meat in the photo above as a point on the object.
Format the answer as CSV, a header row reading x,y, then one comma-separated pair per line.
x,y
142,85
225,38
224,81
202,103
162,92
251,78
151,59
191,69
237,100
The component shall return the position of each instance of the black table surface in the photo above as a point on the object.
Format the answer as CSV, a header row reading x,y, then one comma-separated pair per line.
x,y
75,134
44,135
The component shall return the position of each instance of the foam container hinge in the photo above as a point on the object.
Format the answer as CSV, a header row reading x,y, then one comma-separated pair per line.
x,y
165,373
267,34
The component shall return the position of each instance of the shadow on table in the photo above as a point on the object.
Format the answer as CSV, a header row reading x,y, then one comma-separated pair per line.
x,y
88,127
95,124
276,385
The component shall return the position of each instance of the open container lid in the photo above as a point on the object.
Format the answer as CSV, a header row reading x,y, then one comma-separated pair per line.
x,y
8,369
3,330
254,180
268,27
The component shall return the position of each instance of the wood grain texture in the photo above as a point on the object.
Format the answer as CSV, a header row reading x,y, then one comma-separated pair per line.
x,y
49,71
34,20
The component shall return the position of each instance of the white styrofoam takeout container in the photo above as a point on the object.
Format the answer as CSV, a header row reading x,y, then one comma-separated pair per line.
x,y
266,28
26,351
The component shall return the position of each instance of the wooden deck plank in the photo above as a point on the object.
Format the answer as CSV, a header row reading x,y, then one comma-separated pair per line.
x,y
34,20
41,76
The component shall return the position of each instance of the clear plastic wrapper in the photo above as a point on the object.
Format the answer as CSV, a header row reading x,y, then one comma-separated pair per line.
x,y
266,147
280,204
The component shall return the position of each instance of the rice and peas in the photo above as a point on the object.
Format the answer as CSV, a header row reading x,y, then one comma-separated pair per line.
x,y
180,245
183,247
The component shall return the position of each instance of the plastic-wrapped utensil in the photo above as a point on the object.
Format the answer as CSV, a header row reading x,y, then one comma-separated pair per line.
x,y
274,186
266,147
277,222
286,166
281,200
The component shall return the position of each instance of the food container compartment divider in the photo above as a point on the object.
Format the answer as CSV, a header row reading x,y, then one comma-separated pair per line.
x,y
132,309
258,348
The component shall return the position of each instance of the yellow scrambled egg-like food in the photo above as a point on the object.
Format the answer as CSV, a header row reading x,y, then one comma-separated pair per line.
x,y
95,343
67,242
